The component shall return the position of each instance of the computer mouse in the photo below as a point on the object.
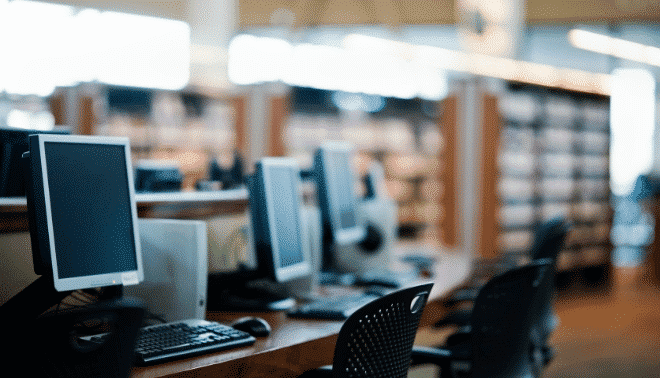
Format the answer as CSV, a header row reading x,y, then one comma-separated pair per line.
x,y
256,327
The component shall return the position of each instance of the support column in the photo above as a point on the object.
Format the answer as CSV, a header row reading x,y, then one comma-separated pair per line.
x,y
476,175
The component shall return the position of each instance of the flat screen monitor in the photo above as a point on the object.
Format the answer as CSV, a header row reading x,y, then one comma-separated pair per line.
x,y
336,193
275,205
13,142
82,188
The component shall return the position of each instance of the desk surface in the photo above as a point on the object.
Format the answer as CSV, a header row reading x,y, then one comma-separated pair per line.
x,y
295,345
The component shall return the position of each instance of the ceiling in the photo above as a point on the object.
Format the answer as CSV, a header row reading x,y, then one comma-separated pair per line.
x,y
301,13
256,13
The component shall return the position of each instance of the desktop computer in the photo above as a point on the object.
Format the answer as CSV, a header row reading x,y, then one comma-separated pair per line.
x,y
279,241
287,263
85,235
357,235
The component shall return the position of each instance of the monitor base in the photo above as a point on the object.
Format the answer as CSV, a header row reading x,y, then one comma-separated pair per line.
x,y
247,298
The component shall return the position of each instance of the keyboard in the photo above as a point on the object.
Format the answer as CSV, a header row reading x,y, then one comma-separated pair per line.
x,y
183,339
338,307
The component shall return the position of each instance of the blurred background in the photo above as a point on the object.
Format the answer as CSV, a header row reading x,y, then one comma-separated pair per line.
x,y
530,108
488,117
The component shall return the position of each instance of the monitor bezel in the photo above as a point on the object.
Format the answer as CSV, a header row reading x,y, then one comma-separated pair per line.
x,y
303,268
341,236
129,277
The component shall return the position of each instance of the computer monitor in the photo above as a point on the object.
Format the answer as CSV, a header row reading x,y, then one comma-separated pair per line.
x,y
336,195
14,143
85,218
275,203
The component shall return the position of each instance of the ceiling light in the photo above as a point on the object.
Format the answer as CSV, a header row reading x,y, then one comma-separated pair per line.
x,y
619,48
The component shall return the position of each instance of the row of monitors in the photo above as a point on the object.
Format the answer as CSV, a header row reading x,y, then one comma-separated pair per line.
x,y
83,216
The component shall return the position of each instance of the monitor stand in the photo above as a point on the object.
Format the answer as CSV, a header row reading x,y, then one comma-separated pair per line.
x,y
246,296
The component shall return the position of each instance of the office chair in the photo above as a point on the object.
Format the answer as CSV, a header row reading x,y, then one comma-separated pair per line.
x,y
548,241
377,339
501,323
55,349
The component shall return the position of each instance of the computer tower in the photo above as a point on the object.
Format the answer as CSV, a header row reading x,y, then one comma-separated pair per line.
x,y
175,262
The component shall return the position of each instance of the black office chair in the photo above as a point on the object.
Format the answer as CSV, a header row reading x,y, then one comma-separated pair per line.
x,y
54,348
377,339
548,241
501,322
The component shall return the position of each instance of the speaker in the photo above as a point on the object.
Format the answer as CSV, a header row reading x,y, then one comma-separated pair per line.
x,y
175,261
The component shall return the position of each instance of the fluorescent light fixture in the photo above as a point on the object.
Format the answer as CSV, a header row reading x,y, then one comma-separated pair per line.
x,y
143,51
254,60
632,118
617,47
484,65
382,67
46,45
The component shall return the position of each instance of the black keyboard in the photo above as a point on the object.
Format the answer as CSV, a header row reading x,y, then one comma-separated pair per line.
x,y
333,308
183,339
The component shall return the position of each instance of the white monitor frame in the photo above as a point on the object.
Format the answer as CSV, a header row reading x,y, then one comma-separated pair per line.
x,y
341,236
300,269
109,279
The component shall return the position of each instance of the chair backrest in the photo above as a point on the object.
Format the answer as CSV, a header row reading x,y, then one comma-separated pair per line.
x,y
59,352
548,243
501,321
377,339
549,239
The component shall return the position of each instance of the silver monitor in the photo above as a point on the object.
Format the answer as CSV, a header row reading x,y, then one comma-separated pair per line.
x,y
87,217
275,202
336,191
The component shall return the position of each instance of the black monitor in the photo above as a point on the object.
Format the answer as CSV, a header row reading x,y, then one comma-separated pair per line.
x,y
336,196
275,203
13,143
83,212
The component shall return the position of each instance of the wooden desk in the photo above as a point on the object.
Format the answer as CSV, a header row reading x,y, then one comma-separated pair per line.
x,y
295,345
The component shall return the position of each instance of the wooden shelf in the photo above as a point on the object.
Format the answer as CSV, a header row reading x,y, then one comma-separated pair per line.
x,y
180,205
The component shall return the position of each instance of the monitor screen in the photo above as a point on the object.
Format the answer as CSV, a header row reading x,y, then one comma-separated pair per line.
x,y
336,193
275,204
90,211
285,215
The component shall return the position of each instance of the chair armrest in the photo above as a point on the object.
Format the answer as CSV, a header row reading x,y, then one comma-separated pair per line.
x,y
321,372
435,356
